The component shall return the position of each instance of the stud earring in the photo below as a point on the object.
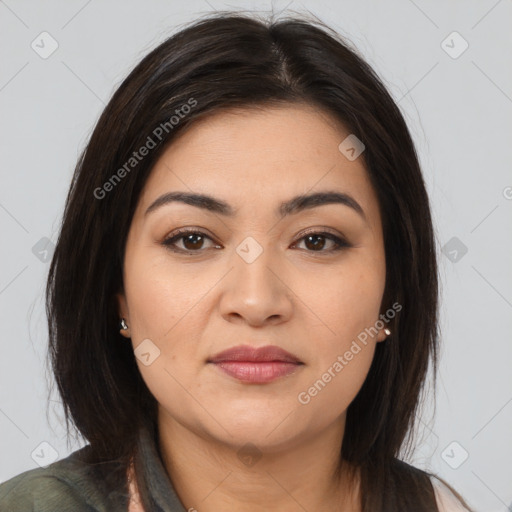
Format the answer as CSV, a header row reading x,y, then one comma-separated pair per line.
x,y
122,325
387,331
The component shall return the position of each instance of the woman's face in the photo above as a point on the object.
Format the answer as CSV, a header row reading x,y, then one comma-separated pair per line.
x,y
255,276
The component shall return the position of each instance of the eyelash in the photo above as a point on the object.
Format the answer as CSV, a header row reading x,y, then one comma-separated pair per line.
x,y
168,242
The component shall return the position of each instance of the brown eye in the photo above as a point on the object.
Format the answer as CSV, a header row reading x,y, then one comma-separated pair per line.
x,y
192,240
316,241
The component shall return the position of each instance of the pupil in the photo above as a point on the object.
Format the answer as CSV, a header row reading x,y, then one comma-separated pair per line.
x,y
189,238
315,244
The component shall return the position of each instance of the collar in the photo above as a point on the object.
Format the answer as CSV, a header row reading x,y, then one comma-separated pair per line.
x,y
159,484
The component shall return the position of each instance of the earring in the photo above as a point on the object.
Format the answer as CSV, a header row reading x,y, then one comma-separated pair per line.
x,y
387,331
122,325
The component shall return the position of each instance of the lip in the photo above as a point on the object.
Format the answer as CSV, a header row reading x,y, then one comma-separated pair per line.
x,y
256,365
247,353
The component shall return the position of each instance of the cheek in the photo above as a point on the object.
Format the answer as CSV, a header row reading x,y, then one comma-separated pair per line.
x,y
167,381
160,297
343,336
344,304
166,308
337,380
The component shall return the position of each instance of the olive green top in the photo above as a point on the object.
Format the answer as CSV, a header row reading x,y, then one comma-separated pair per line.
x,y
73,485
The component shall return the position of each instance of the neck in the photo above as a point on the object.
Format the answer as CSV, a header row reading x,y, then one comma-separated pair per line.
x,y
209,475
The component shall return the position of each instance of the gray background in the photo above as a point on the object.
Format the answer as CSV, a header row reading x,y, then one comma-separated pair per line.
x,y
458,108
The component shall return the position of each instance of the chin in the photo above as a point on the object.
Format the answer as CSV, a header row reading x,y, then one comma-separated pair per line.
x,y
269,430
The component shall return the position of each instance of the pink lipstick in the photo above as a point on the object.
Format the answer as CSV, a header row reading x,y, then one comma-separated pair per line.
x,y
256,365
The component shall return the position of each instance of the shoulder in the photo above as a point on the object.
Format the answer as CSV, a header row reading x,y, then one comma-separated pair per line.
x,y
446,500
418,481
39,491
70,484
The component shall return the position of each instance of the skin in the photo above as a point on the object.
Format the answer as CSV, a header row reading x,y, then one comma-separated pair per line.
x,y
310,301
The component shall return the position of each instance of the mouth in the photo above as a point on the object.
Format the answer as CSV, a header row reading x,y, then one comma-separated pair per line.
x,y
256,365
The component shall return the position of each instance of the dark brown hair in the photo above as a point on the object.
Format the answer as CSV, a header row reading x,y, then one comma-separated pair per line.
x,y
229,60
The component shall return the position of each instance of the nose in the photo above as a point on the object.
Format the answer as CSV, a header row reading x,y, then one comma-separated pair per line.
x,y
256,292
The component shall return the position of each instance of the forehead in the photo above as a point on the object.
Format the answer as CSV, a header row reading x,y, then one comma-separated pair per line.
x,y
257,157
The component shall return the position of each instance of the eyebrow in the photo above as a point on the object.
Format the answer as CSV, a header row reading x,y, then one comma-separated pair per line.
x,y
290,207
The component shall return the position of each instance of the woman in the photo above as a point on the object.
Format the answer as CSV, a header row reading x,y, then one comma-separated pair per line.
x,y
243,298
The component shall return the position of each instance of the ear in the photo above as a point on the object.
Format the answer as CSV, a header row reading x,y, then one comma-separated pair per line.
x,y
382,336
122,308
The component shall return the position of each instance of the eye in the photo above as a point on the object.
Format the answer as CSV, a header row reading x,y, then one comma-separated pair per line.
x,y
315,240
193,241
